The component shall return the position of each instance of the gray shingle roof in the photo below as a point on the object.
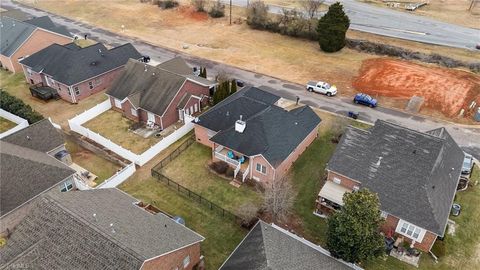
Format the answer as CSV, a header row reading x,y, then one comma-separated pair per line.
x,y
46,23
266,125
415,174
176,65
26,173
150,88
71,64
41,136
65,235
266,247
15,32
246,102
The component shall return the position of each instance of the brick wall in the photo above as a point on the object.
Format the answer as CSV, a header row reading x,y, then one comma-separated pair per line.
x,y
283,168
100,83
201,134
345,181
264,178
175,259
127,111
39,40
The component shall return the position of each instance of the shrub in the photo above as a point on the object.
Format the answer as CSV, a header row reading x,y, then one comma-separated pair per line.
x,y
219,167
16,106
257,15
166,4
199,5
332,29
439,248
229,172
217,10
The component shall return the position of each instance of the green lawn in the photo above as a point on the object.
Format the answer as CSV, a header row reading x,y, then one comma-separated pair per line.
x,y
222,235
190,170
6,124
113,126
97,165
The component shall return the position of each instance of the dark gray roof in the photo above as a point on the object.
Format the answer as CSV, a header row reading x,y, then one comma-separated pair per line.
x,y
46,23
415,174
147,87
26,173
62,233
273,133
71,64
176,65
266,247
246,102
41,136
15,32
16,14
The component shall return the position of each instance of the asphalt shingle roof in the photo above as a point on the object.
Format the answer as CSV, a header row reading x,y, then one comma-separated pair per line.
x,y
268,248
63,233
176,65
41,136
71,64
14,32
26,173
270,130
415,174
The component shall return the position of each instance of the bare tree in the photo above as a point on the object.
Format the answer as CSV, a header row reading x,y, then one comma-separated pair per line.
x,y
338,128
247,211
311,7
278,199
199,5
257,14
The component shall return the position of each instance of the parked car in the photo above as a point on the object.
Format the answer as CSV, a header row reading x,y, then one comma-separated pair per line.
x,y
467,164
322,88
365,99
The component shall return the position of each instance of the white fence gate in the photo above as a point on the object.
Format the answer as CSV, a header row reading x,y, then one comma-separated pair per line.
x,y
21,123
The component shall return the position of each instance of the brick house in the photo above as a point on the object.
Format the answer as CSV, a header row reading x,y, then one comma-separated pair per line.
x,y
415,175
100,229
271,247
31,166
24,38
160,94
75,73
257,138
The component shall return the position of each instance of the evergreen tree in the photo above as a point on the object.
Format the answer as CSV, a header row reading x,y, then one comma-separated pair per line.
x,y
233,87
332,29
353,232
204,72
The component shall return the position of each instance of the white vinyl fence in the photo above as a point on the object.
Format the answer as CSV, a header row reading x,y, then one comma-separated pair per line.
x,y
76,125
119,177
21,123
55,125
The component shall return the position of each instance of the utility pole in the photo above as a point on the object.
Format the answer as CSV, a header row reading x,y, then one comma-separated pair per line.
x,y
230,12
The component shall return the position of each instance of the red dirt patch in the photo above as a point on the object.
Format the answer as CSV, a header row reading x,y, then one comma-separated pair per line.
x,y
189,12
444,90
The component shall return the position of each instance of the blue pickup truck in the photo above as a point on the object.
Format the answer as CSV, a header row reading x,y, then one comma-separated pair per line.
x,y
365,99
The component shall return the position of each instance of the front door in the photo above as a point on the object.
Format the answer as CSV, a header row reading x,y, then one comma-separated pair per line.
x,y
180,114
151,117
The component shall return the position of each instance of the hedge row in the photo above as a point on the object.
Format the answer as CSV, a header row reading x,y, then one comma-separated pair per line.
x,y
16,106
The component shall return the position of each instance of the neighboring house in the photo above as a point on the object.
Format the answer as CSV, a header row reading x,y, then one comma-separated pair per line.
x,y
255,136
161,94
29,169
415,175
21,39
75,73
99,229
269,247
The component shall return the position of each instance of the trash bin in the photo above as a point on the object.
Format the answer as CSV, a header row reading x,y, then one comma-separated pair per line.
x,y
477,115
456,209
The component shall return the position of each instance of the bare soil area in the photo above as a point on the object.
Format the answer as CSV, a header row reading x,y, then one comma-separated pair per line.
x,y
444,90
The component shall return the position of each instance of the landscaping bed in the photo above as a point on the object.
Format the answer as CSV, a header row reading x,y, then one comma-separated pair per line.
x,y
6,124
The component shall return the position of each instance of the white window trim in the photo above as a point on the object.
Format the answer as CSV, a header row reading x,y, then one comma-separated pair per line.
x,y
186,261
337,180
133,112
118,103
383,214
261,167
65,185
421,234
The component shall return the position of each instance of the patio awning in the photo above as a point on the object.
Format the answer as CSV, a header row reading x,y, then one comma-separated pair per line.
x,y
333,192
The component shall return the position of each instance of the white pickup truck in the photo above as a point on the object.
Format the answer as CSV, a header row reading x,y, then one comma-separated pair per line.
x,y
322,88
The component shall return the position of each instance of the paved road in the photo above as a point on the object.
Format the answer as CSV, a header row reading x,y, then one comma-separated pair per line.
x,y
468,138
387,22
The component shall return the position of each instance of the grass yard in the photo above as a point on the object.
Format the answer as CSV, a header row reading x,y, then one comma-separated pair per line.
x,y
59,110
97,165
6,124
190,170
114,126
221,235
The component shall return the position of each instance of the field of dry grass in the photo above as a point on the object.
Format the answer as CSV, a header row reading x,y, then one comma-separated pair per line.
x,y
451,11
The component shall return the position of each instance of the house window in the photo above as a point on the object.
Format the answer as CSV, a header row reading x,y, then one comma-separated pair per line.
x,y
98,82
69,92
186,261
410,231
77,91
337,180
262,169
356,188
66,186
195,107
90,85
29,71
118,103
134,112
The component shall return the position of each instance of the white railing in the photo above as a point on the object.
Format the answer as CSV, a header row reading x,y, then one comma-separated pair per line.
x,y
21,123
226,159
80,184
75,124
119,177
237,169
245,173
